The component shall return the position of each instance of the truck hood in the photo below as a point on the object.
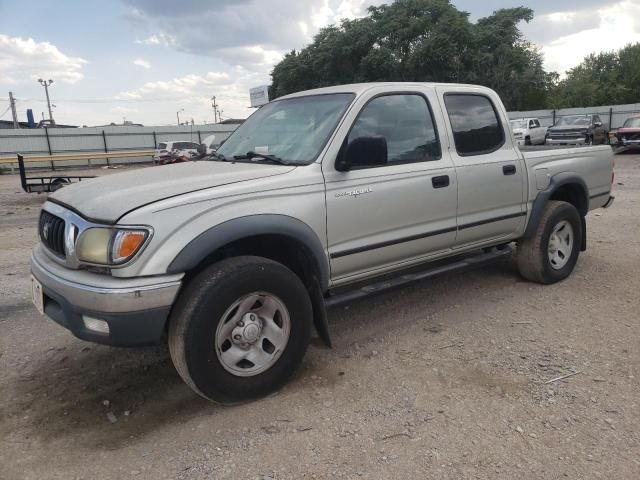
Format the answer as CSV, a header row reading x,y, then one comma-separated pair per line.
x,y
628,130
568,128
106,199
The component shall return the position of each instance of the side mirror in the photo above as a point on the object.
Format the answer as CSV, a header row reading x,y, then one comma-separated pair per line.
x,y
598,124
202,149
363,152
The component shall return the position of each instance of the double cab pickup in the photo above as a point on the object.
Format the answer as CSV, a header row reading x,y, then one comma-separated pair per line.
x,y
320,197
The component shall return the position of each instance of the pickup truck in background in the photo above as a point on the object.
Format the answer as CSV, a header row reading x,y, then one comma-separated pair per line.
x,y
528,131
578,130
320,197
627,137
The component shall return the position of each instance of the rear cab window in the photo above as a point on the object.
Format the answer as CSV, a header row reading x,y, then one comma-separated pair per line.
x,y
475,123
162,146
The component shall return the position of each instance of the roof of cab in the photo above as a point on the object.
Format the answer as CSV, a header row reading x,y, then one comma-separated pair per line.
x,y
359,88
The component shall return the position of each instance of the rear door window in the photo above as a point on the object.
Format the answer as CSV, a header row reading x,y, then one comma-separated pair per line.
x,y
474,120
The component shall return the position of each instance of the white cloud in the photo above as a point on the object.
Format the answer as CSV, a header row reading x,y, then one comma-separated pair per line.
x,y
159,39
180,88
193,92
23,60
140,62
618,25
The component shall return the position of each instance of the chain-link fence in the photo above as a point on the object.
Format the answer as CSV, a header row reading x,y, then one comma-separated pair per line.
x,y
613,116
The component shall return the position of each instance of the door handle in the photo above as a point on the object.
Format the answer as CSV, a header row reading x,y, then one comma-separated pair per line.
x,y
440,181
509,170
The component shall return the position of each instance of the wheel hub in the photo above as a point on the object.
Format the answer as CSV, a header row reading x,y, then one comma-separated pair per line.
x,y
252,334
247,330
560,245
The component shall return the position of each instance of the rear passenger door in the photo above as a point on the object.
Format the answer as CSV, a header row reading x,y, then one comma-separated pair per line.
x,y
489,169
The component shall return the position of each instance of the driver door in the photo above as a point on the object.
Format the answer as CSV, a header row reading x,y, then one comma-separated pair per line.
x,y
387,216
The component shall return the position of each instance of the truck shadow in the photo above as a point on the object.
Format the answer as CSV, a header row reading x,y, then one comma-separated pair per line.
x,y
104,396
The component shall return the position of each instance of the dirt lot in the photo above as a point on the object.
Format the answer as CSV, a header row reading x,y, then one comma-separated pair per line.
x,y
446,379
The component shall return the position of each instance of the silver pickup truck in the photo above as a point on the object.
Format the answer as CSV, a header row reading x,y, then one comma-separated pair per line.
x,y
320,197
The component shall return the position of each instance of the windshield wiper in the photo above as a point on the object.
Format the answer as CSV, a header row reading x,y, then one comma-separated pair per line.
x,y
266,156
219,156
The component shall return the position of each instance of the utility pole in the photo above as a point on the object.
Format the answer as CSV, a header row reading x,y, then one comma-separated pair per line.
x,y
215,109
12,102
46,84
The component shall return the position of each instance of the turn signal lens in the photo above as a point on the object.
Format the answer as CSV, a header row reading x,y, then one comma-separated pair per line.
x,y
126,243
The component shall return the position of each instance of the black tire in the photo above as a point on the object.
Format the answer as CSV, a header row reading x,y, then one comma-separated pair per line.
x,y
532,253
200,308
58,183
588,141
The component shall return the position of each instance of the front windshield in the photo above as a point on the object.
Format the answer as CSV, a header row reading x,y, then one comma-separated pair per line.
x,y
518,124
632,123
293,129
575,120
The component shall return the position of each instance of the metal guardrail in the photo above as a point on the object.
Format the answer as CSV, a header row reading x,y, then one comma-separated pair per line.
x,y
78,156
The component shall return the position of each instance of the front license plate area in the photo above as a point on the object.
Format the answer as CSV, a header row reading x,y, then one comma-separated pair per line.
x,y
36,294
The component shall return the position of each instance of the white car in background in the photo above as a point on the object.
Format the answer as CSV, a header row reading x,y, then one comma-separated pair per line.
x,y
528,131
165,148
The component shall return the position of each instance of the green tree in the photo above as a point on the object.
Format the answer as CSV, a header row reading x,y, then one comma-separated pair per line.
x,y
601,79
421,40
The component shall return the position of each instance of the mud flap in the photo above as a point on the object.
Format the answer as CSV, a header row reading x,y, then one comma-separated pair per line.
x,y
320,313
583,246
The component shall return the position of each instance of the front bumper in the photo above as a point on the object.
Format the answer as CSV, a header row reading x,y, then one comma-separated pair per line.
x,y
566,141
136,310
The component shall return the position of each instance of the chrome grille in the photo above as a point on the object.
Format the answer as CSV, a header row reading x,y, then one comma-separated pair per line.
x,y
51,230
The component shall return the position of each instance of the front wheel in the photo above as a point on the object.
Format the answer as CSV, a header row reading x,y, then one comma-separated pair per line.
x,y
551,253
240,329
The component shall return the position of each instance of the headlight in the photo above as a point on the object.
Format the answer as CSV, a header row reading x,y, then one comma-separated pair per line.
x,y
110,246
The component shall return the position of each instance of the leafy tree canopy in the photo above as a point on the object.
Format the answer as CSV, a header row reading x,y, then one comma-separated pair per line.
x,y
431,40
420,40
607,78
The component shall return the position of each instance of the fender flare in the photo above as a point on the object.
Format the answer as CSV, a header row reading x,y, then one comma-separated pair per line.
x,y
543,197
243,227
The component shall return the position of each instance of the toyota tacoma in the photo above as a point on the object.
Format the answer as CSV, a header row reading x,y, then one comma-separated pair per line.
x,y
320,197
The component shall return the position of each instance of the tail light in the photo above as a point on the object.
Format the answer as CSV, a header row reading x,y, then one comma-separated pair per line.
x,y
163,151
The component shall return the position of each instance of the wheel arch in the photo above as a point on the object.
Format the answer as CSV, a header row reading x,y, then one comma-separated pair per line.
x,y
567,187
281,238
244,229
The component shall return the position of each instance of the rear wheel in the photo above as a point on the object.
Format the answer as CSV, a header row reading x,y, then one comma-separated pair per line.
x,y
588,140
58,183
551,253
240,329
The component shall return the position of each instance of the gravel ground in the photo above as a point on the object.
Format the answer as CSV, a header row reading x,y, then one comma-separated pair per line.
x,y
447,379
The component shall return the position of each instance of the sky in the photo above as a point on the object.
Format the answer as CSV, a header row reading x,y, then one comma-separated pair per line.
x,y
150,61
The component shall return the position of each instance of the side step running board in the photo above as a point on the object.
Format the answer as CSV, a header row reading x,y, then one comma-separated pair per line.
x,y
402,280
